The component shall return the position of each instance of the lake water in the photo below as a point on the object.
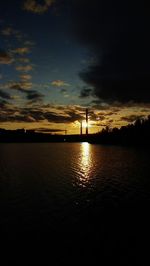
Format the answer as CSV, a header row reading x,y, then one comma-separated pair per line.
x,y
74,203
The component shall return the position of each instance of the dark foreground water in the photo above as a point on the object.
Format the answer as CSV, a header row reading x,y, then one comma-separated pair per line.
x,y
74,204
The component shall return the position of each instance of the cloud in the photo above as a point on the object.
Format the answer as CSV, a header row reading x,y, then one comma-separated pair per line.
x,y
15,97
23,60
29,43
25,77
39,113
10,32
132,118
34,96
59,83
26,68
26,85
22,86
21,50
31,95
37,8
16,118
5,95
3,104
16,86
5,58
117,35
7,31
85,93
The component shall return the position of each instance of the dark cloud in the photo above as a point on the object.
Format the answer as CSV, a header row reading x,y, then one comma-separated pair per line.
x,y
101,117
63,91
85,93
34,114
74,116
110,121
117,34
145,110
5,58
5,95
132,118
15,118
112,112
17,86
70,117
31,95
34,96
3,104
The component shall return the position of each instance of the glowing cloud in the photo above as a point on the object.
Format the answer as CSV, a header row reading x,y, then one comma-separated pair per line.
x,y
59,83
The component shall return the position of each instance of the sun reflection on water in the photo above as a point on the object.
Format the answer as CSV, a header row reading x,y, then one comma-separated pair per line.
x,y
85,164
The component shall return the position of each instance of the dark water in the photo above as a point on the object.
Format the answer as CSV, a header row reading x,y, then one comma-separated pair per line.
x,y
74,203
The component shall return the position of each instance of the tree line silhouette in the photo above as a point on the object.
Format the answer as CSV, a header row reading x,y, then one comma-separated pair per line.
x,y
137,133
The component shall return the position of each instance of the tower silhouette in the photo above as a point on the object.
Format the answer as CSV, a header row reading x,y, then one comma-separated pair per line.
x,y
87,120
81,132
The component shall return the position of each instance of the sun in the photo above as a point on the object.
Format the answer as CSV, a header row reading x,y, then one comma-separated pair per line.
x,y
84,124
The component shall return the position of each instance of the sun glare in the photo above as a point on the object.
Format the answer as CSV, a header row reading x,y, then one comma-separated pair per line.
x,y
84,124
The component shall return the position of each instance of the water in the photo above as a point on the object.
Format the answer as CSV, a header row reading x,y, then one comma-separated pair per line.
x,y
73,202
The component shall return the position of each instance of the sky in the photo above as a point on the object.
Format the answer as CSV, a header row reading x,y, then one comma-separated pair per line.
x,y
59,57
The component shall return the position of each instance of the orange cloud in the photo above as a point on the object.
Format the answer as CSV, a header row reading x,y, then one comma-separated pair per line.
x,y
5,58
34,7
25,77
24,68
26,85
21,50
59,83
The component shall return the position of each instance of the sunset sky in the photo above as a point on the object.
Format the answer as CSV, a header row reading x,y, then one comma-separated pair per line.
x,y
58,57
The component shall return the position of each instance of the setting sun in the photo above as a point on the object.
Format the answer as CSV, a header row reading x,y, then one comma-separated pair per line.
x,y
84,124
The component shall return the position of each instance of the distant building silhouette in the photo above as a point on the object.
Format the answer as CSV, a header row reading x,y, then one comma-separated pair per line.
x,y
133,134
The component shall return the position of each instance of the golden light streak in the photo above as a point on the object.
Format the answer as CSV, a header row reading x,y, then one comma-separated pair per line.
x,y
85,164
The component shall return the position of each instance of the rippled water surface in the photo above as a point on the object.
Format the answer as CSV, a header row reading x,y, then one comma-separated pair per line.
x,y
60,191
